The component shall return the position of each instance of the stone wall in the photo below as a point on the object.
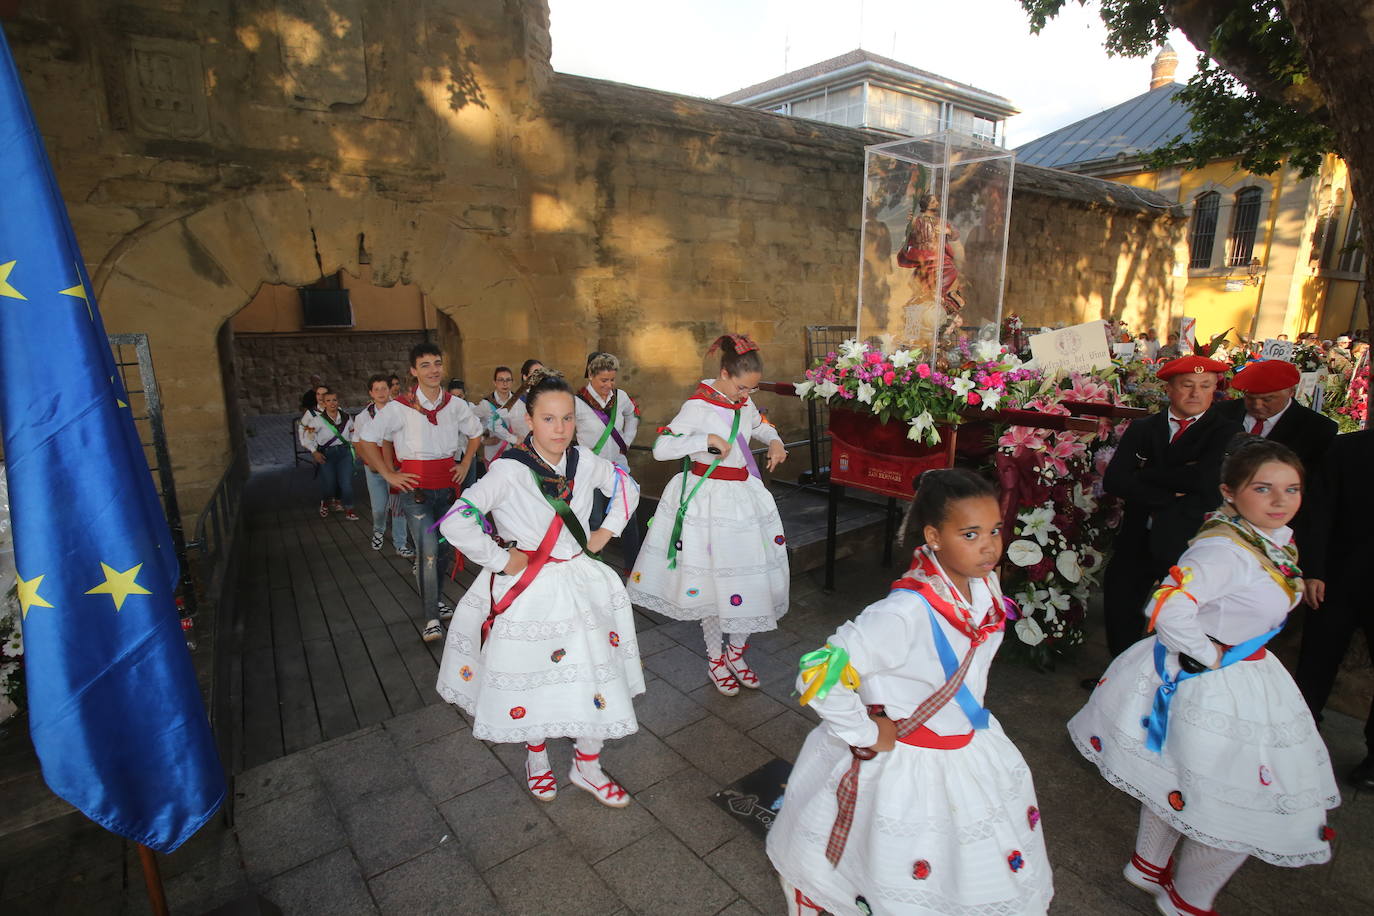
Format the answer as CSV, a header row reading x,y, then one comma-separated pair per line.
x,y
207,146
275,370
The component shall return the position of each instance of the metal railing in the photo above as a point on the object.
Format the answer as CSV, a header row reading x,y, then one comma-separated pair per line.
x,y
214,528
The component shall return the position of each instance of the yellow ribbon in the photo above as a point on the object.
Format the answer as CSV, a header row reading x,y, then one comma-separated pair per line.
x,y
1181,576
823,669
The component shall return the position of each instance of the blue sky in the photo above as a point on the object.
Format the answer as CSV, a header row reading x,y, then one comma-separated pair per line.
x,y
710,47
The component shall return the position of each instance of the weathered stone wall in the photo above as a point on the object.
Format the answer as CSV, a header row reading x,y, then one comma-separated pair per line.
x,y
274,371
207,146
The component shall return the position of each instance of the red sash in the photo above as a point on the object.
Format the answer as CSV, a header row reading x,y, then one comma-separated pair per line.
x,y
434,473
924,737
541,556
720,473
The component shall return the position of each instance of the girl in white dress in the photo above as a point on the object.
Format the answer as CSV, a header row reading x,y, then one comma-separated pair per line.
x,y
715,551
908,798
543,643
1199,722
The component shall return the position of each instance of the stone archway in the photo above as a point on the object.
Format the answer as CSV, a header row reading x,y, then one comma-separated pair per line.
x,y
182,278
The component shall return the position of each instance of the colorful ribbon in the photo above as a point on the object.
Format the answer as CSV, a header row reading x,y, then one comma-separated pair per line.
x,y
1166,590
1157,722
680,518
823,669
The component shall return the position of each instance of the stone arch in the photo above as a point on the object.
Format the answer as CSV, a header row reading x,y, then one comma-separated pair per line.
x,y
181,278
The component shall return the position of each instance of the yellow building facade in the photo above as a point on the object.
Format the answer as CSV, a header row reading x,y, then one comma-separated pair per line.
x,y
1264,255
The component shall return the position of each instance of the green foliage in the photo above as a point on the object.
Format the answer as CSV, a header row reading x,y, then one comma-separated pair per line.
x,y
1229,118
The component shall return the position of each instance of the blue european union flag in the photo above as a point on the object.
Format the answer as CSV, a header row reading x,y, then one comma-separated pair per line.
x,y
114,709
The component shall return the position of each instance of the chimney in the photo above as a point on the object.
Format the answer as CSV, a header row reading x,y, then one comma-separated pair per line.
x,y
1162,72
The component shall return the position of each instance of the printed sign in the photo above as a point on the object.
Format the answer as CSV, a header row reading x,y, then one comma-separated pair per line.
x,y
1312,389
1277,349
1080,348
1124,351
1235,286
1186,329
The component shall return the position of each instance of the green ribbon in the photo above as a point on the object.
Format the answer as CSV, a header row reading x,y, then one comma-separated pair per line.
x,y
681,517
325,417
610,425
832,660
565,512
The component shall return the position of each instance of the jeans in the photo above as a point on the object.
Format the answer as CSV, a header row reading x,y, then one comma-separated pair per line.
x,y
337,470
378,493
422,509
629,538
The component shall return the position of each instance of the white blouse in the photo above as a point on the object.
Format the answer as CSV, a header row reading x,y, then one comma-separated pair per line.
x,y
697,419
414,437
496,422
316,433
1236,599
891,647
509,493
590,427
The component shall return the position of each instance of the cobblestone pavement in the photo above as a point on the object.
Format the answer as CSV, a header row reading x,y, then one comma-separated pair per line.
x,y
414,815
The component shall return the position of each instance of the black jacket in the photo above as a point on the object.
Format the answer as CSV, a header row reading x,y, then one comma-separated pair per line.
x,y
1337,539
1147,471
1300,428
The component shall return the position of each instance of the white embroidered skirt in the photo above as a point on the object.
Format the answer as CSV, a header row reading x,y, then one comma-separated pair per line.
x,y
561,661
732,563
1243,767
935,831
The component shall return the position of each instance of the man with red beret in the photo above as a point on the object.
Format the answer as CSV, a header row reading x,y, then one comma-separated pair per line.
x,y
1167,470
1269,410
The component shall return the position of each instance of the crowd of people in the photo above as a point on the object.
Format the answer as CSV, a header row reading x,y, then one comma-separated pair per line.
x,y
1222,500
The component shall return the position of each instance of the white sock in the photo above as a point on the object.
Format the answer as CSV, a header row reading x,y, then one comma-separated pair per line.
x,y
710,631
738,642
1200,872
539,759
1155,839
591,769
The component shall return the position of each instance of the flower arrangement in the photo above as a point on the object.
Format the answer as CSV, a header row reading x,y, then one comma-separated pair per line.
x,y
1307,357
11,657
922,391
1063,521
1354,413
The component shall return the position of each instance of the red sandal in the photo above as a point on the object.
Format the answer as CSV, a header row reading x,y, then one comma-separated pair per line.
x,y
610,793
722,676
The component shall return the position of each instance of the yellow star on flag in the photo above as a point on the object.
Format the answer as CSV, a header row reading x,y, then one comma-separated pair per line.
x,y
119,585
118,402
78,292
28,594
5,288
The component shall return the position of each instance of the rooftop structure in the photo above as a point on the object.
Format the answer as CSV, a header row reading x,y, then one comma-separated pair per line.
x,y
866,90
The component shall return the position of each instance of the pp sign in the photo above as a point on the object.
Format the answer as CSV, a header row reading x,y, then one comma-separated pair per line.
x,y
1277,349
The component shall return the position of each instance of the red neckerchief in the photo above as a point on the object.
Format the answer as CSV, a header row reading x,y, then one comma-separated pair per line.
x,y
928,580
713,397
412,400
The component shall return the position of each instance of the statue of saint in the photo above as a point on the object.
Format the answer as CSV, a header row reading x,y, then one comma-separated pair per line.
x,y
929,251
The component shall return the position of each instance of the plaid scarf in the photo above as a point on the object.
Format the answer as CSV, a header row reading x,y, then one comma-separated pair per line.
x,y
1281,563
553,484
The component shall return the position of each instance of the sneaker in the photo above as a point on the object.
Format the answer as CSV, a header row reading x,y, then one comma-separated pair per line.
x,y
445,611
350,515
433,632
335,505
734,660
405,553
607,791
722,677
539,776
377,540
324,508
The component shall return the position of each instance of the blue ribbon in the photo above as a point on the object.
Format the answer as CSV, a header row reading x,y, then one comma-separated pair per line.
x,y
977,715
1157,723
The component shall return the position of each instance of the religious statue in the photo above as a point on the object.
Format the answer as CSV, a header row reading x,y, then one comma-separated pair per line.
x,y
929,251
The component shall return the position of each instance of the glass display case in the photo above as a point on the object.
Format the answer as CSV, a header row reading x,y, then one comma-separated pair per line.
x,y
934,242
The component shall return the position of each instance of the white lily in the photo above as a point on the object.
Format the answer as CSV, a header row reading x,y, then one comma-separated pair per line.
x,y
987,350
803,388
903,358
865,393
1039,524
1083,499
991,397
961,386
851,352
1068,566
923,428
1025,553
1058,600
826,389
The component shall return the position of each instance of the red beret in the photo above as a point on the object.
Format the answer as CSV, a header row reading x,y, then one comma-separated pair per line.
x,y
1193,364
1265,376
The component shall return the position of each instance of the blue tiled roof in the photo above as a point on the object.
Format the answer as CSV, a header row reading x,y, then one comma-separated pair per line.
x,y
1136,126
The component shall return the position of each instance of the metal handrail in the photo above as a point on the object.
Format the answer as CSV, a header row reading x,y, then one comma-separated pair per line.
x,y
215,524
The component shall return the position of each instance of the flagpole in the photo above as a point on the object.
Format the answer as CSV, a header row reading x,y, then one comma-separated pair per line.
x,y
152,879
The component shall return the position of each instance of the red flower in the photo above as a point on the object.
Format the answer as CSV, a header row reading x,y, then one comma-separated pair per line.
x,y
1176,800
921,870
974,398
889,377
517,712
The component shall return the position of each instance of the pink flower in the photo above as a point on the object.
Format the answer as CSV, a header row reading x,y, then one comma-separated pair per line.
x,y
975,398
993,380
923,370
870,357
1021,439
889,377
